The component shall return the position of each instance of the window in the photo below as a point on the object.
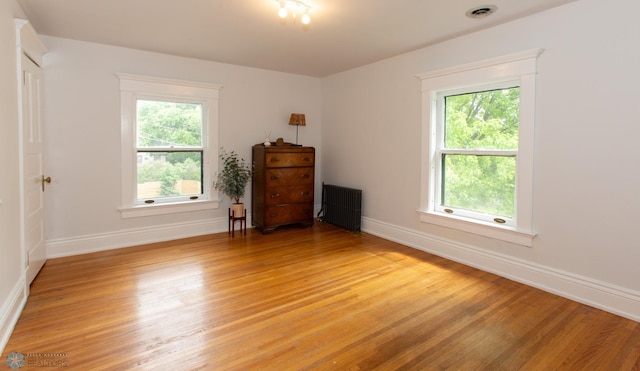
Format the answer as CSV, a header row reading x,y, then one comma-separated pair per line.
x,y
477,172
169,145
170,151
476,154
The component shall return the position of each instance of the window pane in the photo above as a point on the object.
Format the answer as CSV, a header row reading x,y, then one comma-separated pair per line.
x,y
480,183
482,120
169,124
163,174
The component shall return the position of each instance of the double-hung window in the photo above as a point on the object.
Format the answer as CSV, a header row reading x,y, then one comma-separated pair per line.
x,y
476,152
170,150
169,145
477,168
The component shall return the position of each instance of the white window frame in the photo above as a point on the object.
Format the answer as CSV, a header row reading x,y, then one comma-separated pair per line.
x,y
440,150
135,87
512,70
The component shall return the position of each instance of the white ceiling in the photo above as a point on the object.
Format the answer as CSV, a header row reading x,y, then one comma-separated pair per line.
x,y
343,34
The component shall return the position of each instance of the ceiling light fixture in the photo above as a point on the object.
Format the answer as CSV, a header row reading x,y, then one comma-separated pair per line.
x,y
294,7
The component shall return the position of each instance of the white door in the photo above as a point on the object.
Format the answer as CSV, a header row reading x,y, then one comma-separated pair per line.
x,y
34,184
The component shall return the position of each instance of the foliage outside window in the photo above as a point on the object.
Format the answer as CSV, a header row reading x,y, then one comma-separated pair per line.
x,y
477,147
477,157
168,145
169,149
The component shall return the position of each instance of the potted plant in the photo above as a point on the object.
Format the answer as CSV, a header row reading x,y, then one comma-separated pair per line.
x,y
233,179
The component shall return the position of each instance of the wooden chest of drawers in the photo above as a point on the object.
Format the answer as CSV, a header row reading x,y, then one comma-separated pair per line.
x,y
282,186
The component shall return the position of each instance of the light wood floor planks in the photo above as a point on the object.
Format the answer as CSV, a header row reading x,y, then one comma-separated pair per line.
x,y
304,298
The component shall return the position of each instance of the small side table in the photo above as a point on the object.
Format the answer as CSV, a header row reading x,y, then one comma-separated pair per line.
x,y
232,222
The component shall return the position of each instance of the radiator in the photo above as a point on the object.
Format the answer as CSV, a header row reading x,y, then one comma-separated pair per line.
x,y
341,206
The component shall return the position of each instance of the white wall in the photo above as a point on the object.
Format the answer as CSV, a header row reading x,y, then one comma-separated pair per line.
x,y
587,178
11,278
82,114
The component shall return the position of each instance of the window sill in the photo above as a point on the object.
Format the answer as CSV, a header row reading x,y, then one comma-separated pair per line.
x,y
168,208
486,229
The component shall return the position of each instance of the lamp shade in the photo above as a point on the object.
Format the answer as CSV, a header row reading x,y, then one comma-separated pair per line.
x,y
297,119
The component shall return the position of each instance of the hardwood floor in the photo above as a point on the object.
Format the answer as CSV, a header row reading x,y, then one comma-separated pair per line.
x,y
304,298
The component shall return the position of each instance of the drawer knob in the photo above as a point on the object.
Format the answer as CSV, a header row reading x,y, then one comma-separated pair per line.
x,y
306,159
275,195
275,177
273,215
305,193
305,176
274,159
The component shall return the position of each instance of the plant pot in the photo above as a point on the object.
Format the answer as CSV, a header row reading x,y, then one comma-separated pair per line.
x,y
237,209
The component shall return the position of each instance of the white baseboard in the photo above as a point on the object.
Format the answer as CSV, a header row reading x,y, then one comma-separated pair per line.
x,y
61,247
602,295
10,311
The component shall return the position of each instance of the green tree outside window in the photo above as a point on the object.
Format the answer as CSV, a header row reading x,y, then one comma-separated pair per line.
x,y
481,121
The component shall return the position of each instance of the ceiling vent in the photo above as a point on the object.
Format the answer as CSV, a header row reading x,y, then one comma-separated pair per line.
x,y
481,11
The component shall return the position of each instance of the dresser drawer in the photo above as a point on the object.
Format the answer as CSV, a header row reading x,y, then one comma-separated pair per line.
x,y
289,159
285,214
289,176
289,195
